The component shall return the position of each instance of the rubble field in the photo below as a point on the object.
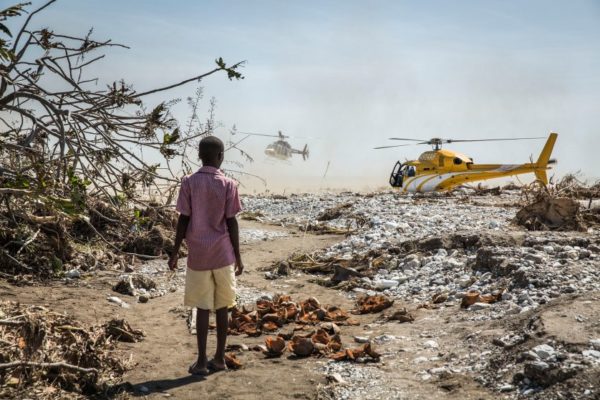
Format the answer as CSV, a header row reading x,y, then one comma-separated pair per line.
x,y
344,296
467,261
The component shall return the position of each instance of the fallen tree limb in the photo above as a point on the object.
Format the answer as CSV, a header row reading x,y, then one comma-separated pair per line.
x,y
16,364
17,192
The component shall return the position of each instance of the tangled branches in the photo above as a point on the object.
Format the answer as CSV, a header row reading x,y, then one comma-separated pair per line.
x,y
40,348
64,142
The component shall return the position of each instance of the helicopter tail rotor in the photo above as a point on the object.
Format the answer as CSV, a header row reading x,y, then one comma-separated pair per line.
x,y
305,152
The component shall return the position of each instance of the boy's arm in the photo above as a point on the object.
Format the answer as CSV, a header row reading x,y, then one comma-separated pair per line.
x,y
182,225
234,235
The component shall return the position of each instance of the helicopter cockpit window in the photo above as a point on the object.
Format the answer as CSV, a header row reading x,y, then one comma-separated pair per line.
x,y
397,175
412,171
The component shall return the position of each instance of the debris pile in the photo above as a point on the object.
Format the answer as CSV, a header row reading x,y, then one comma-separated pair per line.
x,y
43,354
551,213
40,241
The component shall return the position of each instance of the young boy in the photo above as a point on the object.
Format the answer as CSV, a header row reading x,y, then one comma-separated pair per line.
x,y
208,203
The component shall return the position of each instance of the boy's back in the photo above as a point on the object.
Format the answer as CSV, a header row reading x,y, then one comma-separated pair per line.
x,y
208,197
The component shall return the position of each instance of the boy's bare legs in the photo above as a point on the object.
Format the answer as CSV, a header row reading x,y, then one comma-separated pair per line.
x,y
200,367
222,326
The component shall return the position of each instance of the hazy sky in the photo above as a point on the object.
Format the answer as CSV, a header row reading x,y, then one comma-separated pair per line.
x,y
350,74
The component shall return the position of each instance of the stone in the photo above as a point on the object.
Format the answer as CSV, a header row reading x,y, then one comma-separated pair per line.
x,y
361,339
548,249
431,344
479,306
336,378
283,268
544,352
118,301
545,375
384,338
383,284
506,388
595,343
593,354
73,274
143,298
439,371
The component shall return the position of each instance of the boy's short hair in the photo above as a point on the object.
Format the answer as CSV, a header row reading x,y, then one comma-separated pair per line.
x,y
210,147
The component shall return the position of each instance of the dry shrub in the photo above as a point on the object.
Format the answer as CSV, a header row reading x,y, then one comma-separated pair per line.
x,y
43,352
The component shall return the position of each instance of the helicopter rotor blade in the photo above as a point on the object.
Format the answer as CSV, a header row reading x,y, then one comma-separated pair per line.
x,y
412,140
490,140
389,147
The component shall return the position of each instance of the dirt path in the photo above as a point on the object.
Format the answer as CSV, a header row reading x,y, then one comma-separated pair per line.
x,y
163,357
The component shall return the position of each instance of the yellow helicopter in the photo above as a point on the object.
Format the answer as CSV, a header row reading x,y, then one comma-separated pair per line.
x,y
280,149
441,169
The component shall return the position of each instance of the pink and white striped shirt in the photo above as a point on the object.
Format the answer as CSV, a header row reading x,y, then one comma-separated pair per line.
x,y
208,197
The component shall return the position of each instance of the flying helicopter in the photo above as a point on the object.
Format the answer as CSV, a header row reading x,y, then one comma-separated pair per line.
x,y
280,149
442,169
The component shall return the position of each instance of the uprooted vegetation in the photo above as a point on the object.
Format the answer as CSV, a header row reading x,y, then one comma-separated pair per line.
x,y
559,207
44,354
74,190
44,243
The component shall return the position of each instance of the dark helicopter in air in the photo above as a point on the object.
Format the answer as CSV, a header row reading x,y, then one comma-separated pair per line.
x,y
280,149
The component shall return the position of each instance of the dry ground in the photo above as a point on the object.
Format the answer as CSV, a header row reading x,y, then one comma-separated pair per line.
x,y
163,357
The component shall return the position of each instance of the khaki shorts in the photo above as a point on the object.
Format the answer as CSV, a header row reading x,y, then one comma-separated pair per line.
x,y
210,290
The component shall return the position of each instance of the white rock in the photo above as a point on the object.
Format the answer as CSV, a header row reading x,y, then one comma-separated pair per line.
x,y
548,249
385,283
337,378
384,338
595,343
438,370
544,351
361,339
506,388
593,354
479,306
73,274
464,281
118,301
431,344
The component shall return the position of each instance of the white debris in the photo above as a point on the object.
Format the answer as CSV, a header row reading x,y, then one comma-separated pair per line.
x,y
544,351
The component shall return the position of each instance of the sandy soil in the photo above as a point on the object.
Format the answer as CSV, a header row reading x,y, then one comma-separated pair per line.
x,y
162,359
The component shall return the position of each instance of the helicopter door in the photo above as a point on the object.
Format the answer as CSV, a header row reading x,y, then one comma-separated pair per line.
x,y
397,176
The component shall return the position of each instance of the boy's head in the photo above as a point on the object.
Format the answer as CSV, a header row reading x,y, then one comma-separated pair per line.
x,y
211,151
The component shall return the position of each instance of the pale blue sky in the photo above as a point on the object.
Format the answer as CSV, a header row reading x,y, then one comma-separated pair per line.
x,y
353,73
